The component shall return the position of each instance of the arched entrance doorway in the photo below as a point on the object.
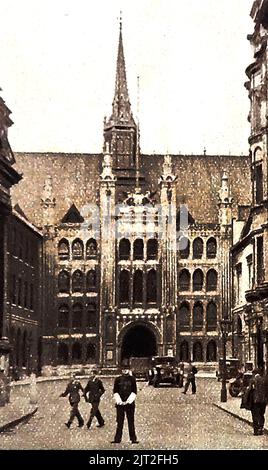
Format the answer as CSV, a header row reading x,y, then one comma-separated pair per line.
x,y
138,341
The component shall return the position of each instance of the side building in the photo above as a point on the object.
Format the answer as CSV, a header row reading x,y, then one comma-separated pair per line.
x,y
8,178
250,251
23,313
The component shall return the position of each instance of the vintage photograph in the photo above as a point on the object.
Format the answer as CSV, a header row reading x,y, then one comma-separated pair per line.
x,y
133,226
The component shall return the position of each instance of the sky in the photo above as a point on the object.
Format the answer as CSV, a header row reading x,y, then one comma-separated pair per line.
x,y
57,72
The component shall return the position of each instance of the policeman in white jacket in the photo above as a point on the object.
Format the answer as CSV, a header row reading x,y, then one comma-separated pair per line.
x,y
125,392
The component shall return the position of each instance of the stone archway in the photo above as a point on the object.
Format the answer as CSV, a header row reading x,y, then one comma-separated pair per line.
x,y
139,340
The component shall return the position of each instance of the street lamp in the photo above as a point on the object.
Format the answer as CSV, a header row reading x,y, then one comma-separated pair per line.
x,y
225,323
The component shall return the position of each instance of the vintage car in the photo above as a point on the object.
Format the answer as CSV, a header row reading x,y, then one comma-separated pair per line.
x,y
163,369
232,368
139,366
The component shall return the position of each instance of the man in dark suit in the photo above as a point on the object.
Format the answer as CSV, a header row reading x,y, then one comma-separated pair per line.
x,y
259,385
190,379
92,393
125,391
73,388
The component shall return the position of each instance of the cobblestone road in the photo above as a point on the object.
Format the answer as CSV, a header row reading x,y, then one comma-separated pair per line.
x,y
165,419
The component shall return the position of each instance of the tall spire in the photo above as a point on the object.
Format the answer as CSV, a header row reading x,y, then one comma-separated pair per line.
x,y
121,114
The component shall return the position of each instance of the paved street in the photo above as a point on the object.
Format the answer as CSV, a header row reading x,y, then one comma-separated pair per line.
x,y
165,419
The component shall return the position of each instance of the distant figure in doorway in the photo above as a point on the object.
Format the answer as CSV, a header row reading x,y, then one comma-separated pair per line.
x,y
259,387
125,391
92,393
190,378
73,390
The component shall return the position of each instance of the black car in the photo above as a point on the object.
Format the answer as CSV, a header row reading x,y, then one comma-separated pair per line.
x,y
163,369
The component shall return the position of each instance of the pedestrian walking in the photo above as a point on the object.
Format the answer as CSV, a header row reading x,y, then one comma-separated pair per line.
x,y
92,393
180,374
259,388
190,378
125,392
73,390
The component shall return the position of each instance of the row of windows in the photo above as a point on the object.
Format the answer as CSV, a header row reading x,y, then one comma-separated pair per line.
x,y
22,343
198,248
198,280
77,317
199,354
22,293
75,353
138,249
77,280
198,316
23,247
76,249
139,281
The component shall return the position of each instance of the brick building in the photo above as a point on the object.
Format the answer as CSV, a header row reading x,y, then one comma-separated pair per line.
x,y
115,283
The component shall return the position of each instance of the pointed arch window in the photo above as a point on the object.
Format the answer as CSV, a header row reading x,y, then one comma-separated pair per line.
x,y
239,328
211,351
124,286
91,249
152,249
76,352
211,316
124,249
91,280
212,280
138,249
63,249
25,349
151,286
64,282
184,351
198,316
91,352
20,292
63,353
211,248
184,248
198,280
138,286
198,352
184,316
77,281
77,315
78,249
63,319
184,280
91,315
198,248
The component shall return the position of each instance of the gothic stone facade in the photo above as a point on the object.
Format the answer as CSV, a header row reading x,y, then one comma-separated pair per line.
x,y
116,283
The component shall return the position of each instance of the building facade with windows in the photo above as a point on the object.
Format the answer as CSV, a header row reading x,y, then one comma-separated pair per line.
x,y
123,273
23,313
8,178
249,253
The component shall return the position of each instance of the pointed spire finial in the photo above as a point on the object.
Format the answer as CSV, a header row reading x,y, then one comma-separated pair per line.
x,y
122,114
120,21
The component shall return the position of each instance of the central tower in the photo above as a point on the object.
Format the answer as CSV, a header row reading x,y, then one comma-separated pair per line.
x,y
120,130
